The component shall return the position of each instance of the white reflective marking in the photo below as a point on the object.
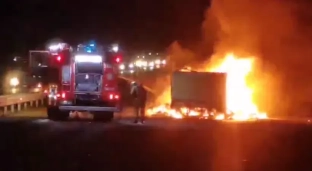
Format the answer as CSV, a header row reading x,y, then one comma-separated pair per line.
x,y
41,121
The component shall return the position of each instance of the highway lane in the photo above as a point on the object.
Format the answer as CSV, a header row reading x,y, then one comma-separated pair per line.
x,y
29,141
33,113
128,113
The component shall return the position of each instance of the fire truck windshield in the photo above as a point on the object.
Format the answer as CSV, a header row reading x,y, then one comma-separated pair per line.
x,y
88,78
96,68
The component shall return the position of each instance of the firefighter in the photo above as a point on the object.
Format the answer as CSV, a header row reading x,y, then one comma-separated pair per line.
x,y
139,94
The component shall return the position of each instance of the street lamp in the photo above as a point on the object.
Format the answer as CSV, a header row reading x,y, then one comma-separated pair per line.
x,y
14,82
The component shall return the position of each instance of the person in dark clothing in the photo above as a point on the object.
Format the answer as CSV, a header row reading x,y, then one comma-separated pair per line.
x,y
139,94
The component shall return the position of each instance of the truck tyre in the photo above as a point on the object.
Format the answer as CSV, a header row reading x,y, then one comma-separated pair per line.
x,y
103,116
55,114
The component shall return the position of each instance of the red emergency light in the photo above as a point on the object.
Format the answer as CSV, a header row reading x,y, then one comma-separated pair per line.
x,y
113,96
118,59
59,58
62,95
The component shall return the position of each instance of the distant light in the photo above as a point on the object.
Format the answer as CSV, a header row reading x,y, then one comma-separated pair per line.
x,y
131,65
157,62
150,53
151,64
138,63
131,71
15,59
92,45
122,67
163,61
13,90
144,63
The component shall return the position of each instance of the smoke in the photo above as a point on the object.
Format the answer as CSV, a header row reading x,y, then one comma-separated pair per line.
x,y
275,32
179,56
242,25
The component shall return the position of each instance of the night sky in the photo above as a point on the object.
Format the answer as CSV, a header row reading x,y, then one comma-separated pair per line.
x,y
135,24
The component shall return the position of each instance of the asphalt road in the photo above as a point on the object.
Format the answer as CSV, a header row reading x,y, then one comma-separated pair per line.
x,y
31,142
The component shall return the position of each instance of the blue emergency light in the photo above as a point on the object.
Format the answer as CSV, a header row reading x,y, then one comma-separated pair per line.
x,y
88,49
91,47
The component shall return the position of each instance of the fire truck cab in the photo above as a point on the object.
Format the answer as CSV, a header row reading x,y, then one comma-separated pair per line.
x,y
88,83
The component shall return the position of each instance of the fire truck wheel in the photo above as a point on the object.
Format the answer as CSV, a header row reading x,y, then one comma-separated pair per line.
x,y
103,116
55,114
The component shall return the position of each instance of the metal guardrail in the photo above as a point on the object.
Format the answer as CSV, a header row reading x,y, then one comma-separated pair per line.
x,y
15,102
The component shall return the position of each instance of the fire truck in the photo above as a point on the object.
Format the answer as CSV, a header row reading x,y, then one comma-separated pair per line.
x,y
88,83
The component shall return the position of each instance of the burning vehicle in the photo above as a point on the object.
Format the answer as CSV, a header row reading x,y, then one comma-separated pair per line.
x,y
217,92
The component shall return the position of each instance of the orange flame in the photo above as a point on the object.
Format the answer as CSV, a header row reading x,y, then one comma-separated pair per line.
x,y
239,94
239,98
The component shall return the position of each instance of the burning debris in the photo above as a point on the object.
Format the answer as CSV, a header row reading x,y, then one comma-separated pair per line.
x,y
165,110
239,93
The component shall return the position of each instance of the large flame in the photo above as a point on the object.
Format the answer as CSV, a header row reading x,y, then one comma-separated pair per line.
x,y
239,98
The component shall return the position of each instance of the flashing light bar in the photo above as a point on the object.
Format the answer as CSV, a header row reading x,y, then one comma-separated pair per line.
x,y
56,47
88,58
115,48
